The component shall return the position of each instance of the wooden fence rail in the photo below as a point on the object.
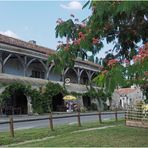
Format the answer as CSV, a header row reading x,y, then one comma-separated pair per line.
x,y
51,118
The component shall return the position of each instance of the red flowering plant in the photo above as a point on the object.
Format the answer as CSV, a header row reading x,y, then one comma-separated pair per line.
x,y
114,21
138,71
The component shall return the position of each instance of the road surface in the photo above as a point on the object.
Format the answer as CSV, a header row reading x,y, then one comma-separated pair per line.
x,y
59,121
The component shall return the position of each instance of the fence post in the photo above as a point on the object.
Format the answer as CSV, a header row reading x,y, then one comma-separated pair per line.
x,y
50,121
116,117
126,114
79,120
11,126
100,119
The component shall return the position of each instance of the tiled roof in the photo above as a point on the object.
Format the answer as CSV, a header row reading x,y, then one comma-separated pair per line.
x,y
23,44
27,45
125,90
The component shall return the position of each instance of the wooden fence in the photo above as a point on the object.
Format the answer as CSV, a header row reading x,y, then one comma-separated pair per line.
x,y
51,118
136,117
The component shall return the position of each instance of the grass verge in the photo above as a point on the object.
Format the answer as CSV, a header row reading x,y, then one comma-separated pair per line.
x,y
114,137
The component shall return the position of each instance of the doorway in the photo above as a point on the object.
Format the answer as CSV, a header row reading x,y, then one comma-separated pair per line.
x,y
16,104
58,103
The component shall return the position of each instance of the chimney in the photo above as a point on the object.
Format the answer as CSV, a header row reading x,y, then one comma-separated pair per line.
x,y
32,42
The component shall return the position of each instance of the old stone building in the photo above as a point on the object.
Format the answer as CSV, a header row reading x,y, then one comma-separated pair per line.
x,y
26,62
122,98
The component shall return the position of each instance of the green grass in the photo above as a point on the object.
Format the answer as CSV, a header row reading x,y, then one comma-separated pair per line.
x,y
113,137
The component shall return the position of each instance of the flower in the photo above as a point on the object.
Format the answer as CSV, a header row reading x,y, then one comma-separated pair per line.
x,y
83,25
81,36
95,40
77,42
59,21
112,62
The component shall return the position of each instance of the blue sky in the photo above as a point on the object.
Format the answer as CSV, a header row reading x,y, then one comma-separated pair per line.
x,y
36,20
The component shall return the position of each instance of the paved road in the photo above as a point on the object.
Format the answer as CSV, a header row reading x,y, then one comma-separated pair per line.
x,y
45,123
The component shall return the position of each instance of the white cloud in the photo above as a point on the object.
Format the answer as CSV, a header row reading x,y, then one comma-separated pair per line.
x,y
9,33
73,5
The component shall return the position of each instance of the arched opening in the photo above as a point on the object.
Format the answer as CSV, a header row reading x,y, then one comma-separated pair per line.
x,y
58,103
16,104
87,102
84,78
93,76
71,73
13,65
53,75
36,69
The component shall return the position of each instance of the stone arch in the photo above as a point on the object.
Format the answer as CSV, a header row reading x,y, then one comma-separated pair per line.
x,y
84,77
49,69
52,74
16,104
93,75
72,74
13,63
35,59
38,70
15,55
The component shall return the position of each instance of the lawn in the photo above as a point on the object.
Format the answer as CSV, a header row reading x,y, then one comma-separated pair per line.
x,y
116,136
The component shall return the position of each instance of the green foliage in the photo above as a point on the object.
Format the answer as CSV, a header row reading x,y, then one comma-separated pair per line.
x,y
97,95
62,59
51,90
41,101
124,21
2,85
136,75
38,101
110,80
114,78
100,80
13,88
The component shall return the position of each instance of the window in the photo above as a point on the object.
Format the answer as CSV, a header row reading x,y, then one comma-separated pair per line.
x,y
37,74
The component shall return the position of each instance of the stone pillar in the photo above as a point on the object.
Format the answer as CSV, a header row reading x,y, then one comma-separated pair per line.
x,y
89,76
78,76
30,109
1,63
25,66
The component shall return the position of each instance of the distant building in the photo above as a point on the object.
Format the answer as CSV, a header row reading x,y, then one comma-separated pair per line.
x,y
124,97
26,62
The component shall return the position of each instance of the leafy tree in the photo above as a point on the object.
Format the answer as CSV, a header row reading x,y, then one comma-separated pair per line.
x,y
97,96
123,23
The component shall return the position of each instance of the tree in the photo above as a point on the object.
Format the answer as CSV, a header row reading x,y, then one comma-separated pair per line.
x,y
97,96
122,23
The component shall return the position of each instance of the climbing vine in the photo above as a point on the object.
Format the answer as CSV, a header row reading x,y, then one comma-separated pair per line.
x,y
51,90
